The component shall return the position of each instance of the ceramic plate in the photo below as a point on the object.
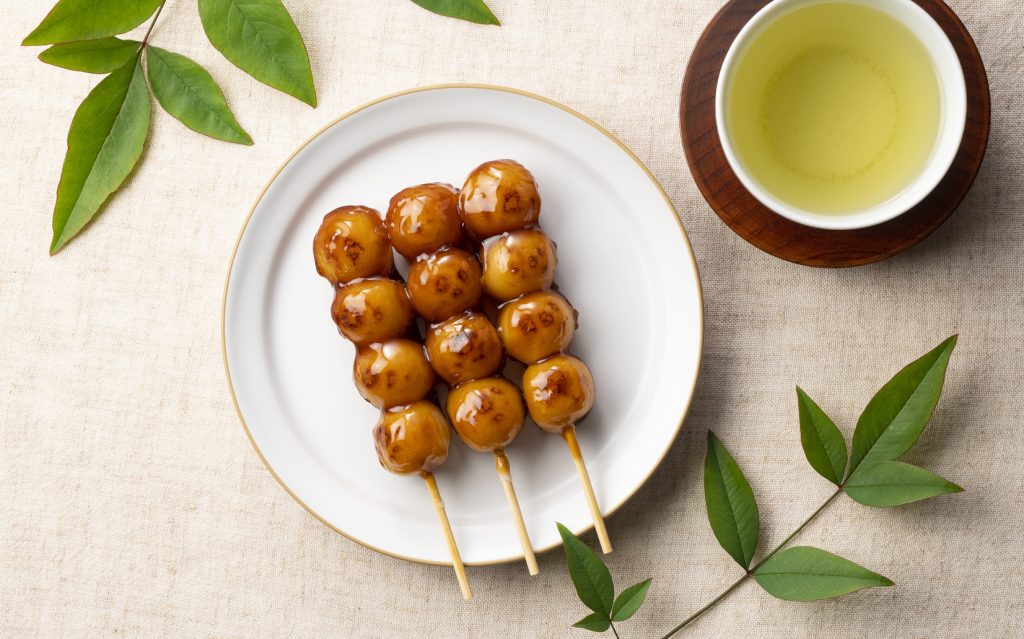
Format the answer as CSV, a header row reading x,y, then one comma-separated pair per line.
x,y
624,262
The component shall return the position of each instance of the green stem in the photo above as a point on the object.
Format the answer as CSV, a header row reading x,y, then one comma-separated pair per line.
x,y
709,606
750,572
614,631
152,24
785,542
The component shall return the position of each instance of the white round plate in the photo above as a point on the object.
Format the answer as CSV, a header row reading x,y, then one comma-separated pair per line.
x,y
624,262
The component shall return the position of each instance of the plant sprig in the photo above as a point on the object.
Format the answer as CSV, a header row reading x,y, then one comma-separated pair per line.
x,y
595,589
890,425
111,125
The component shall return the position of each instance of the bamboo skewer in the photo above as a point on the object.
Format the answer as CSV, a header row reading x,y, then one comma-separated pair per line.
x,y
504,470
453,549
569,435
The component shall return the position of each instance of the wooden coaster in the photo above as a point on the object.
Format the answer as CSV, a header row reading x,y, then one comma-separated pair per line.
x,y
788,240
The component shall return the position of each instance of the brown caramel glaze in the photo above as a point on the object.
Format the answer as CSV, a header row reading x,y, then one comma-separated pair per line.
x,y
464,347
536,326
499,196
518,263
393,373
372,310
352,243
421,219
559,392
444,284
412,439
487,413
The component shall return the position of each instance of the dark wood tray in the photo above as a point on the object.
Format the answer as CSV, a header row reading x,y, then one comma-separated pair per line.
x,y
788,240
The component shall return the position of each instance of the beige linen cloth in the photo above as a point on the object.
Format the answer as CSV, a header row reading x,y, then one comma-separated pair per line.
x,y
134,506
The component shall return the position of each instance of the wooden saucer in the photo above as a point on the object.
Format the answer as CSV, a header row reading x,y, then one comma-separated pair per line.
x,y
788,240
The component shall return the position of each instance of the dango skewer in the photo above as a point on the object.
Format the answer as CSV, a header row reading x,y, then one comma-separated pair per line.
x,y
352,251
500,206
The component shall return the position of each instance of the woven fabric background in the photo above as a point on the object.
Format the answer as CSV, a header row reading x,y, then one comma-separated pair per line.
x,y
133,505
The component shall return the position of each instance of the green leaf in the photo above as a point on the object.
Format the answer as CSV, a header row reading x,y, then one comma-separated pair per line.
x,y
809,574
732,510
73,20
91,56
630,600
888,484
896,415
469,10
186,91
594,622
259,37
104,144
823,443
589,574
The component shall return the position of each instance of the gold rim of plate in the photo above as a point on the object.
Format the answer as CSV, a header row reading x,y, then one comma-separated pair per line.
x,y
434,87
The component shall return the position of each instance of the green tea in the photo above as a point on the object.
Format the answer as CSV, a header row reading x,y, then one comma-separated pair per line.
x,y
834,108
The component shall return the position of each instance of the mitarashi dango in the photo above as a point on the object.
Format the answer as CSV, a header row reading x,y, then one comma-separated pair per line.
x,y
424,218
559,392
352,243
486,413
371,310
517,263
412,439
393,373
499,196
536,325
352,251
464,347
444,284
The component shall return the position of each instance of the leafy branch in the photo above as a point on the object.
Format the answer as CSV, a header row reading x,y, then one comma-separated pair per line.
x,y
594,587
890,425
110,127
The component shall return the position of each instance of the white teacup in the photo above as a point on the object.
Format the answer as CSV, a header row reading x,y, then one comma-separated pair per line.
x,y
953,109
